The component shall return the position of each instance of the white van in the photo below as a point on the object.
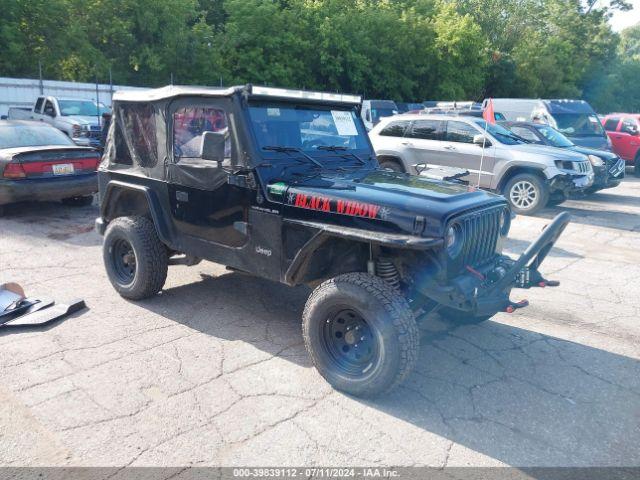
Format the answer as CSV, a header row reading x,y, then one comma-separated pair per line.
x,y
373,110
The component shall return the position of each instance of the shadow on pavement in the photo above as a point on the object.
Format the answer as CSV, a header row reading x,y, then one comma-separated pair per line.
x,y
51,220
512,394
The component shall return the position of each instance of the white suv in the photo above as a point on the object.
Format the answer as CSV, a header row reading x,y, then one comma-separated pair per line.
x,y
529,176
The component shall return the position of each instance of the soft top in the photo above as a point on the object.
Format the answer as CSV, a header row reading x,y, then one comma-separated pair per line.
x,y
171,91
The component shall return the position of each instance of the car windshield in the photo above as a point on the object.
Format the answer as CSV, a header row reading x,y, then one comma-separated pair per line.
x,y
501,134
87,108
554,137
378,113
15,136
579,124
306,128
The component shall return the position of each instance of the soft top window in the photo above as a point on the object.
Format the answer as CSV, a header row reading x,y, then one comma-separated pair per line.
x,y
189,125
138,123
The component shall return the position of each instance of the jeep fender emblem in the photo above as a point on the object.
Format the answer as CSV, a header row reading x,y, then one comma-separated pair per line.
x,y
263,251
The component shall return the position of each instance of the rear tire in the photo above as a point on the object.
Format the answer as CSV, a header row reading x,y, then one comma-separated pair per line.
x,y
83,201
392,166
360,334
462,318
135,258
526,193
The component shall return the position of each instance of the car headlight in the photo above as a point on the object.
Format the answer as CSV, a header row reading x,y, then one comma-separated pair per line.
x,y
595,161
453,240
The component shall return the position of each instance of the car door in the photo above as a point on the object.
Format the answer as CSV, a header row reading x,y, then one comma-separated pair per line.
x,y
611,125
204,205
628,138
424,144
460,151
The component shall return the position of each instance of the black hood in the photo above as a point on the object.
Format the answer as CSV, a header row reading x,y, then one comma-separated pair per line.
x,y
604,155
395,199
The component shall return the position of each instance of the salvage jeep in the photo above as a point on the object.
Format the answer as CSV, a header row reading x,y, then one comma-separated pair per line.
x,y
285,185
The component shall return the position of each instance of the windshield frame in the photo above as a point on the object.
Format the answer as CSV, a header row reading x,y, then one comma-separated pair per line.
x,y
365,151
51,132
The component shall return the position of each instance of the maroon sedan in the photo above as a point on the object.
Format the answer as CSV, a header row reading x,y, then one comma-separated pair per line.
x,y
40,163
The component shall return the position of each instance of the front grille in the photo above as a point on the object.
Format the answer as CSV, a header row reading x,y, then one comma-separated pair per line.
x,y
481,230
582,167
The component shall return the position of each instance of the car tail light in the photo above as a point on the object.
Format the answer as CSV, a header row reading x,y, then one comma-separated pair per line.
x,y
14,171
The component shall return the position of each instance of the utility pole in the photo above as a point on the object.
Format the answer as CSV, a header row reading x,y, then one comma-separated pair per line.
x,y
40,77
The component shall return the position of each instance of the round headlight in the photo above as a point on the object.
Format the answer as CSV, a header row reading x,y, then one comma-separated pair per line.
x,y
453,240
596,161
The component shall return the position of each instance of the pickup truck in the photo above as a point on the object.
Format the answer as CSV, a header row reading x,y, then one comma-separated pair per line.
x,y
78,118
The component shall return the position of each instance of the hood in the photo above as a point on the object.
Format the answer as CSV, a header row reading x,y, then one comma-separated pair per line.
x,y
534,152
597,142
394,200
604,155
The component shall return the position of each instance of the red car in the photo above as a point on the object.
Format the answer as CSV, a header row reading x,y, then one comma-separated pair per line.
x,y
623,130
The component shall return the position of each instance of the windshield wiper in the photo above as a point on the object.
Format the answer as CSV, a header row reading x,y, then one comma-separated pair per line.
x,y
289,150
339,148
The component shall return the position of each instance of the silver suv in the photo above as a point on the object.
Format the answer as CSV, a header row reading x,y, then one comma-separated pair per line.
x,y
529,176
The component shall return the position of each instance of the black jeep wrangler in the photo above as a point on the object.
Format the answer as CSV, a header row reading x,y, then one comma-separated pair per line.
x,y
285,185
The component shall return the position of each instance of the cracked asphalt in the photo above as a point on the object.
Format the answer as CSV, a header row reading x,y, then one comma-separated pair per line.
x,y
213,371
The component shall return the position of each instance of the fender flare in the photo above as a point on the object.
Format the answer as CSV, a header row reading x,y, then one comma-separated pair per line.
x,y
163,225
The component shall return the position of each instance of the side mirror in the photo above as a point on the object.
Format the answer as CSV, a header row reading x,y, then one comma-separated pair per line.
x,y
481,140
213,146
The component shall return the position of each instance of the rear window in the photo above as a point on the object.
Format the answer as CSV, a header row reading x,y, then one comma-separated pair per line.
x,y
16,136
394,129
611,124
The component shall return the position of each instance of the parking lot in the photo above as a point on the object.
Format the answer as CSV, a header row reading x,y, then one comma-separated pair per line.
x,y
213,371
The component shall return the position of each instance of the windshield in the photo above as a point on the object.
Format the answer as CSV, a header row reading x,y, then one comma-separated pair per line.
x,y
579,124
501,134
87,108
15,136
554,137
378,113
307,128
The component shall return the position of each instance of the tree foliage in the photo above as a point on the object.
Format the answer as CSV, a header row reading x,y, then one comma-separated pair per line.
x,y
401,49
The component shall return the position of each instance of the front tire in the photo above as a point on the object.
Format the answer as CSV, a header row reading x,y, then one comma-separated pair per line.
x,y
360,334
391,166
135,258
527,194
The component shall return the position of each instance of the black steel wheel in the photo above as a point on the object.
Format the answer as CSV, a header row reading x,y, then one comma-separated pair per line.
x,y
360,334
349,341
123,259
135,259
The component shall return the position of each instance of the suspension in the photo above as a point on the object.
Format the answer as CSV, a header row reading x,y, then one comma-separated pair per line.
x,y
386,270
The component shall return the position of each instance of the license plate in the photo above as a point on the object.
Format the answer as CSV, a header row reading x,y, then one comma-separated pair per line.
x,y
63,169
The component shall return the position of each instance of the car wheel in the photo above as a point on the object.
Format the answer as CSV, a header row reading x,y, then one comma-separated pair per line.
x,y
360,334
83,201
391,166
526,193
636,166
461,317
135,258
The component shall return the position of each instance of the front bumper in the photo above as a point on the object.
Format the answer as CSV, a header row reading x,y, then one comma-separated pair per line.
x,y
47,189
485,291
609,176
